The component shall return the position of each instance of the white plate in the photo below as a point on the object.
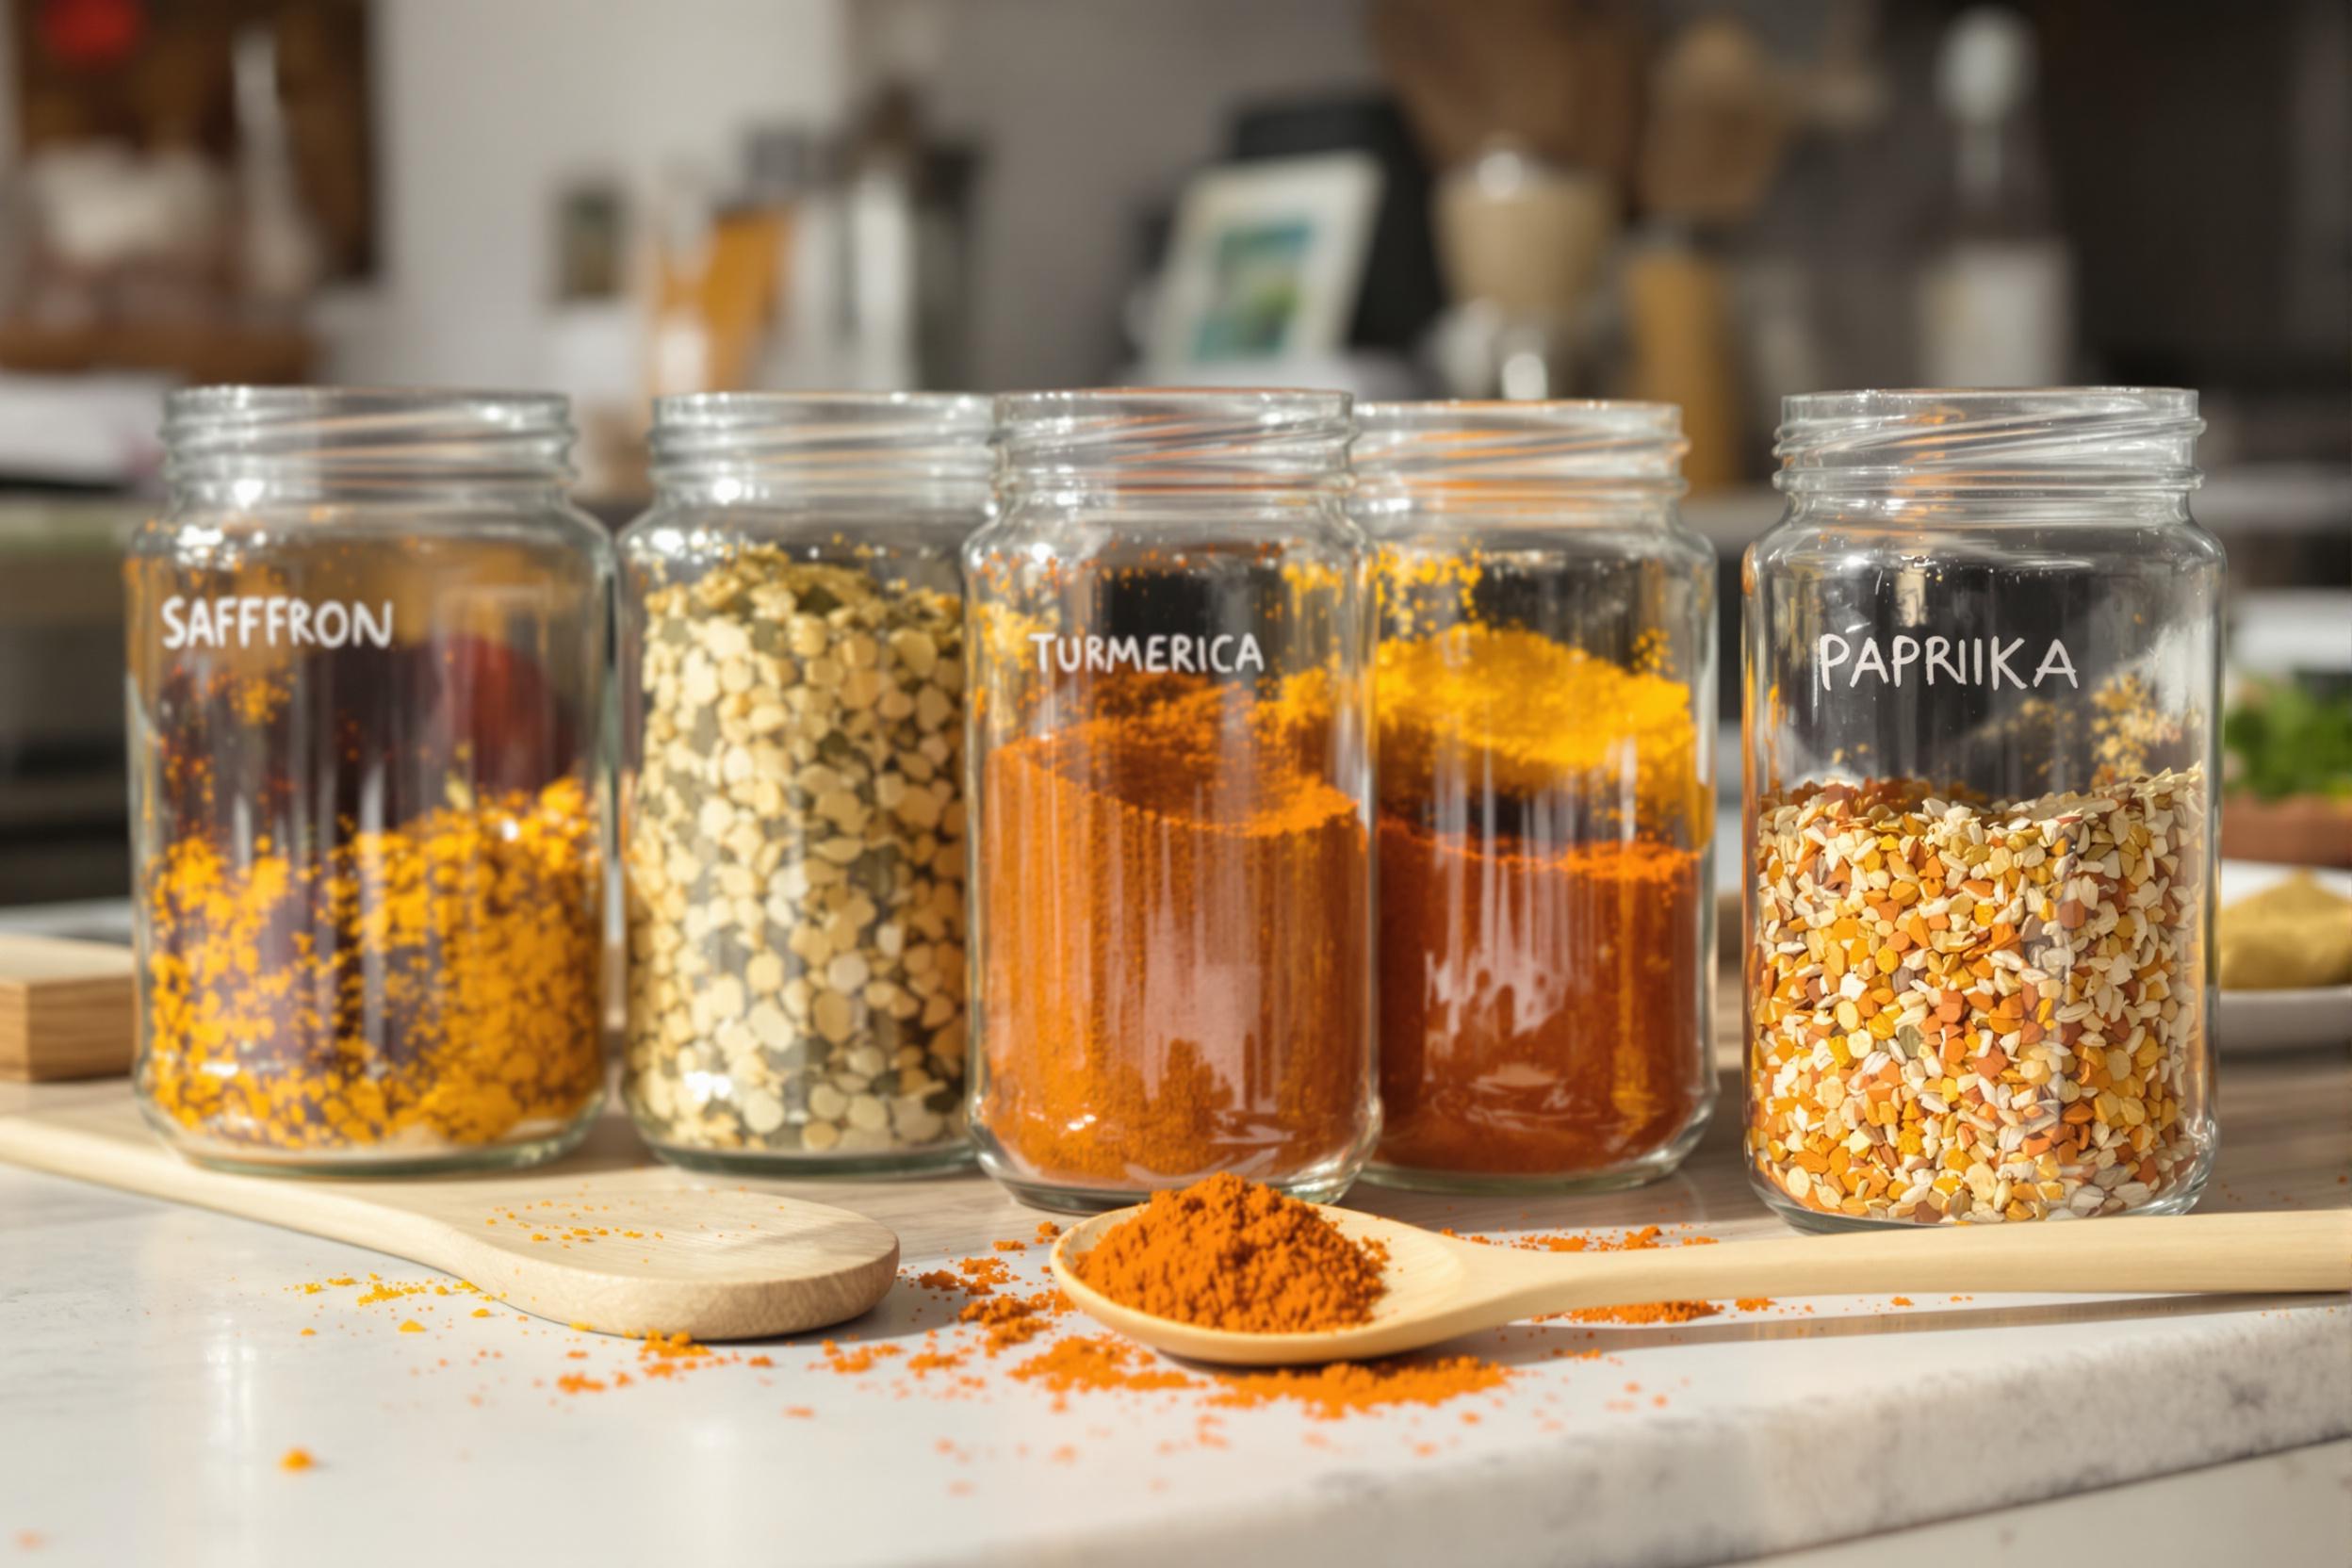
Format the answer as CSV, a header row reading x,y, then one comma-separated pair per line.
x,y
2282,1020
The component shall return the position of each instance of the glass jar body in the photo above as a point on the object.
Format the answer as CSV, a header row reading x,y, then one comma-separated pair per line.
x,y
1981,738
1172,905
793,820
369,798
1545,691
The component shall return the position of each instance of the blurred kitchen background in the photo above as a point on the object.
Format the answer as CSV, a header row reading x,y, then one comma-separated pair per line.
x,y
1694,199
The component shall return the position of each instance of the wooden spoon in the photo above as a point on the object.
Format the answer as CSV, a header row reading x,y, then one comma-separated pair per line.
x,y
601,1240
1439,1287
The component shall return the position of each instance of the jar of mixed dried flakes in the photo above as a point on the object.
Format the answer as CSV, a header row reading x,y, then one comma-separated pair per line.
x,y
1983,663
366,647
1544,685
793,817
1170,644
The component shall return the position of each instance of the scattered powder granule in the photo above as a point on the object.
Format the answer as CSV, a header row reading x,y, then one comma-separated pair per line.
x,y
1345,1388
1646,1313
296,1458
1011,1320
1965,1012
1098,1362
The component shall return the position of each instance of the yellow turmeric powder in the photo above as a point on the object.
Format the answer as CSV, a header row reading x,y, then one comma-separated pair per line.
x,y
393,994
1542,981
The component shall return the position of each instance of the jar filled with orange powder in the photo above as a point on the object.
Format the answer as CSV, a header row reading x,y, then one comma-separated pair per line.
x,y
1544,685
1169,630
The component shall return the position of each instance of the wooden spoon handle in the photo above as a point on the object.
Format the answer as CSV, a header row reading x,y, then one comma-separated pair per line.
x,y
2200,1252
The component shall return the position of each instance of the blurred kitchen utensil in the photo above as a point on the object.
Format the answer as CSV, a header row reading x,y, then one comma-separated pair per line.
x,y
1718,125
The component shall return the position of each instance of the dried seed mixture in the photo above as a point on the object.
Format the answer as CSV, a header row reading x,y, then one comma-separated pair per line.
x,y
796,863
1964,1012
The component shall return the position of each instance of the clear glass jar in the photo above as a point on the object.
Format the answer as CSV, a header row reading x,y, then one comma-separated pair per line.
x,y
793,805
1545,695
366,646
1172,894
1983,693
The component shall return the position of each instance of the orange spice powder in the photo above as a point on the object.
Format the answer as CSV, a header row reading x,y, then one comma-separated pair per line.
x,y
1233,1254
1168,984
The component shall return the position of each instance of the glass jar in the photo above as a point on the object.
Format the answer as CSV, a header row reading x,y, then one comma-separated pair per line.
x,y
792,805
1172,897
1546,689
366,647
1982,692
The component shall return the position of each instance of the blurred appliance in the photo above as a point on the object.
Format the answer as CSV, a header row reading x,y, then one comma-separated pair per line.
x,y
1721,117
1265,265
62,791
1996,301
1530,111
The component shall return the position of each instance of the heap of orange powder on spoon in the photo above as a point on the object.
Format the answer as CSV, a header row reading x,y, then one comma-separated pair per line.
x,y
1227,1253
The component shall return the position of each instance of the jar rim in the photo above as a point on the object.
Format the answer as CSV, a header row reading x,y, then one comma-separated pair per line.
x,y
1989,438
366,435
1495,447
1170,438
783,447
972,411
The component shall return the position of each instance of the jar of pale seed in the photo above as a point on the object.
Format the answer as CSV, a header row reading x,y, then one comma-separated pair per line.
x,y
1983,680
792,805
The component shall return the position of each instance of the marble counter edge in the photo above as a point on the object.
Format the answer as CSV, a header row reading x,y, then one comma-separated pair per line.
x,y
1744,1482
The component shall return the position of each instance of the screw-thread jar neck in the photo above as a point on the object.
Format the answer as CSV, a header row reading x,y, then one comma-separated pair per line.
x,y
2070,441
245,444
1173,443
928,450
1466,456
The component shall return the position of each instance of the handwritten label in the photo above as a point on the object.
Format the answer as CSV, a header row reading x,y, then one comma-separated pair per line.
x,y
274,621
1952,661
1224,654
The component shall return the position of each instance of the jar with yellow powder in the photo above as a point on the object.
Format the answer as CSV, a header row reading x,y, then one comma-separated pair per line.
x,y
1545,689
366,647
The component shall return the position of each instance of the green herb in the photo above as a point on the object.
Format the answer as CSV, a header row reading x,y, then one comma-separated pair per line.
x,y
2288,741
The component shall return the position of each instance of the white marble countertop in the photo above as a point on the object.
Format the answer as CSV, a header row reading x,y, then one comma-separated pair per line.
x,y
154,1368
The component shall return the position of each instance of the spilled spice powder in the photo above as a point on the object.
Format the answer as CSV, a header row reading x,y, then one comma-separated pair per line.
x,y
1226,1254
296,1458
1011,1320
1098,1362
1344,1388
1647,1313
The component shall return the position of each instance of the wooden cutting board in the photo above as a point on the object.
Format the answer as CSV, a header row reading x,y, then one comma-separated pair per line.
x,y
600,1240
65,1008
